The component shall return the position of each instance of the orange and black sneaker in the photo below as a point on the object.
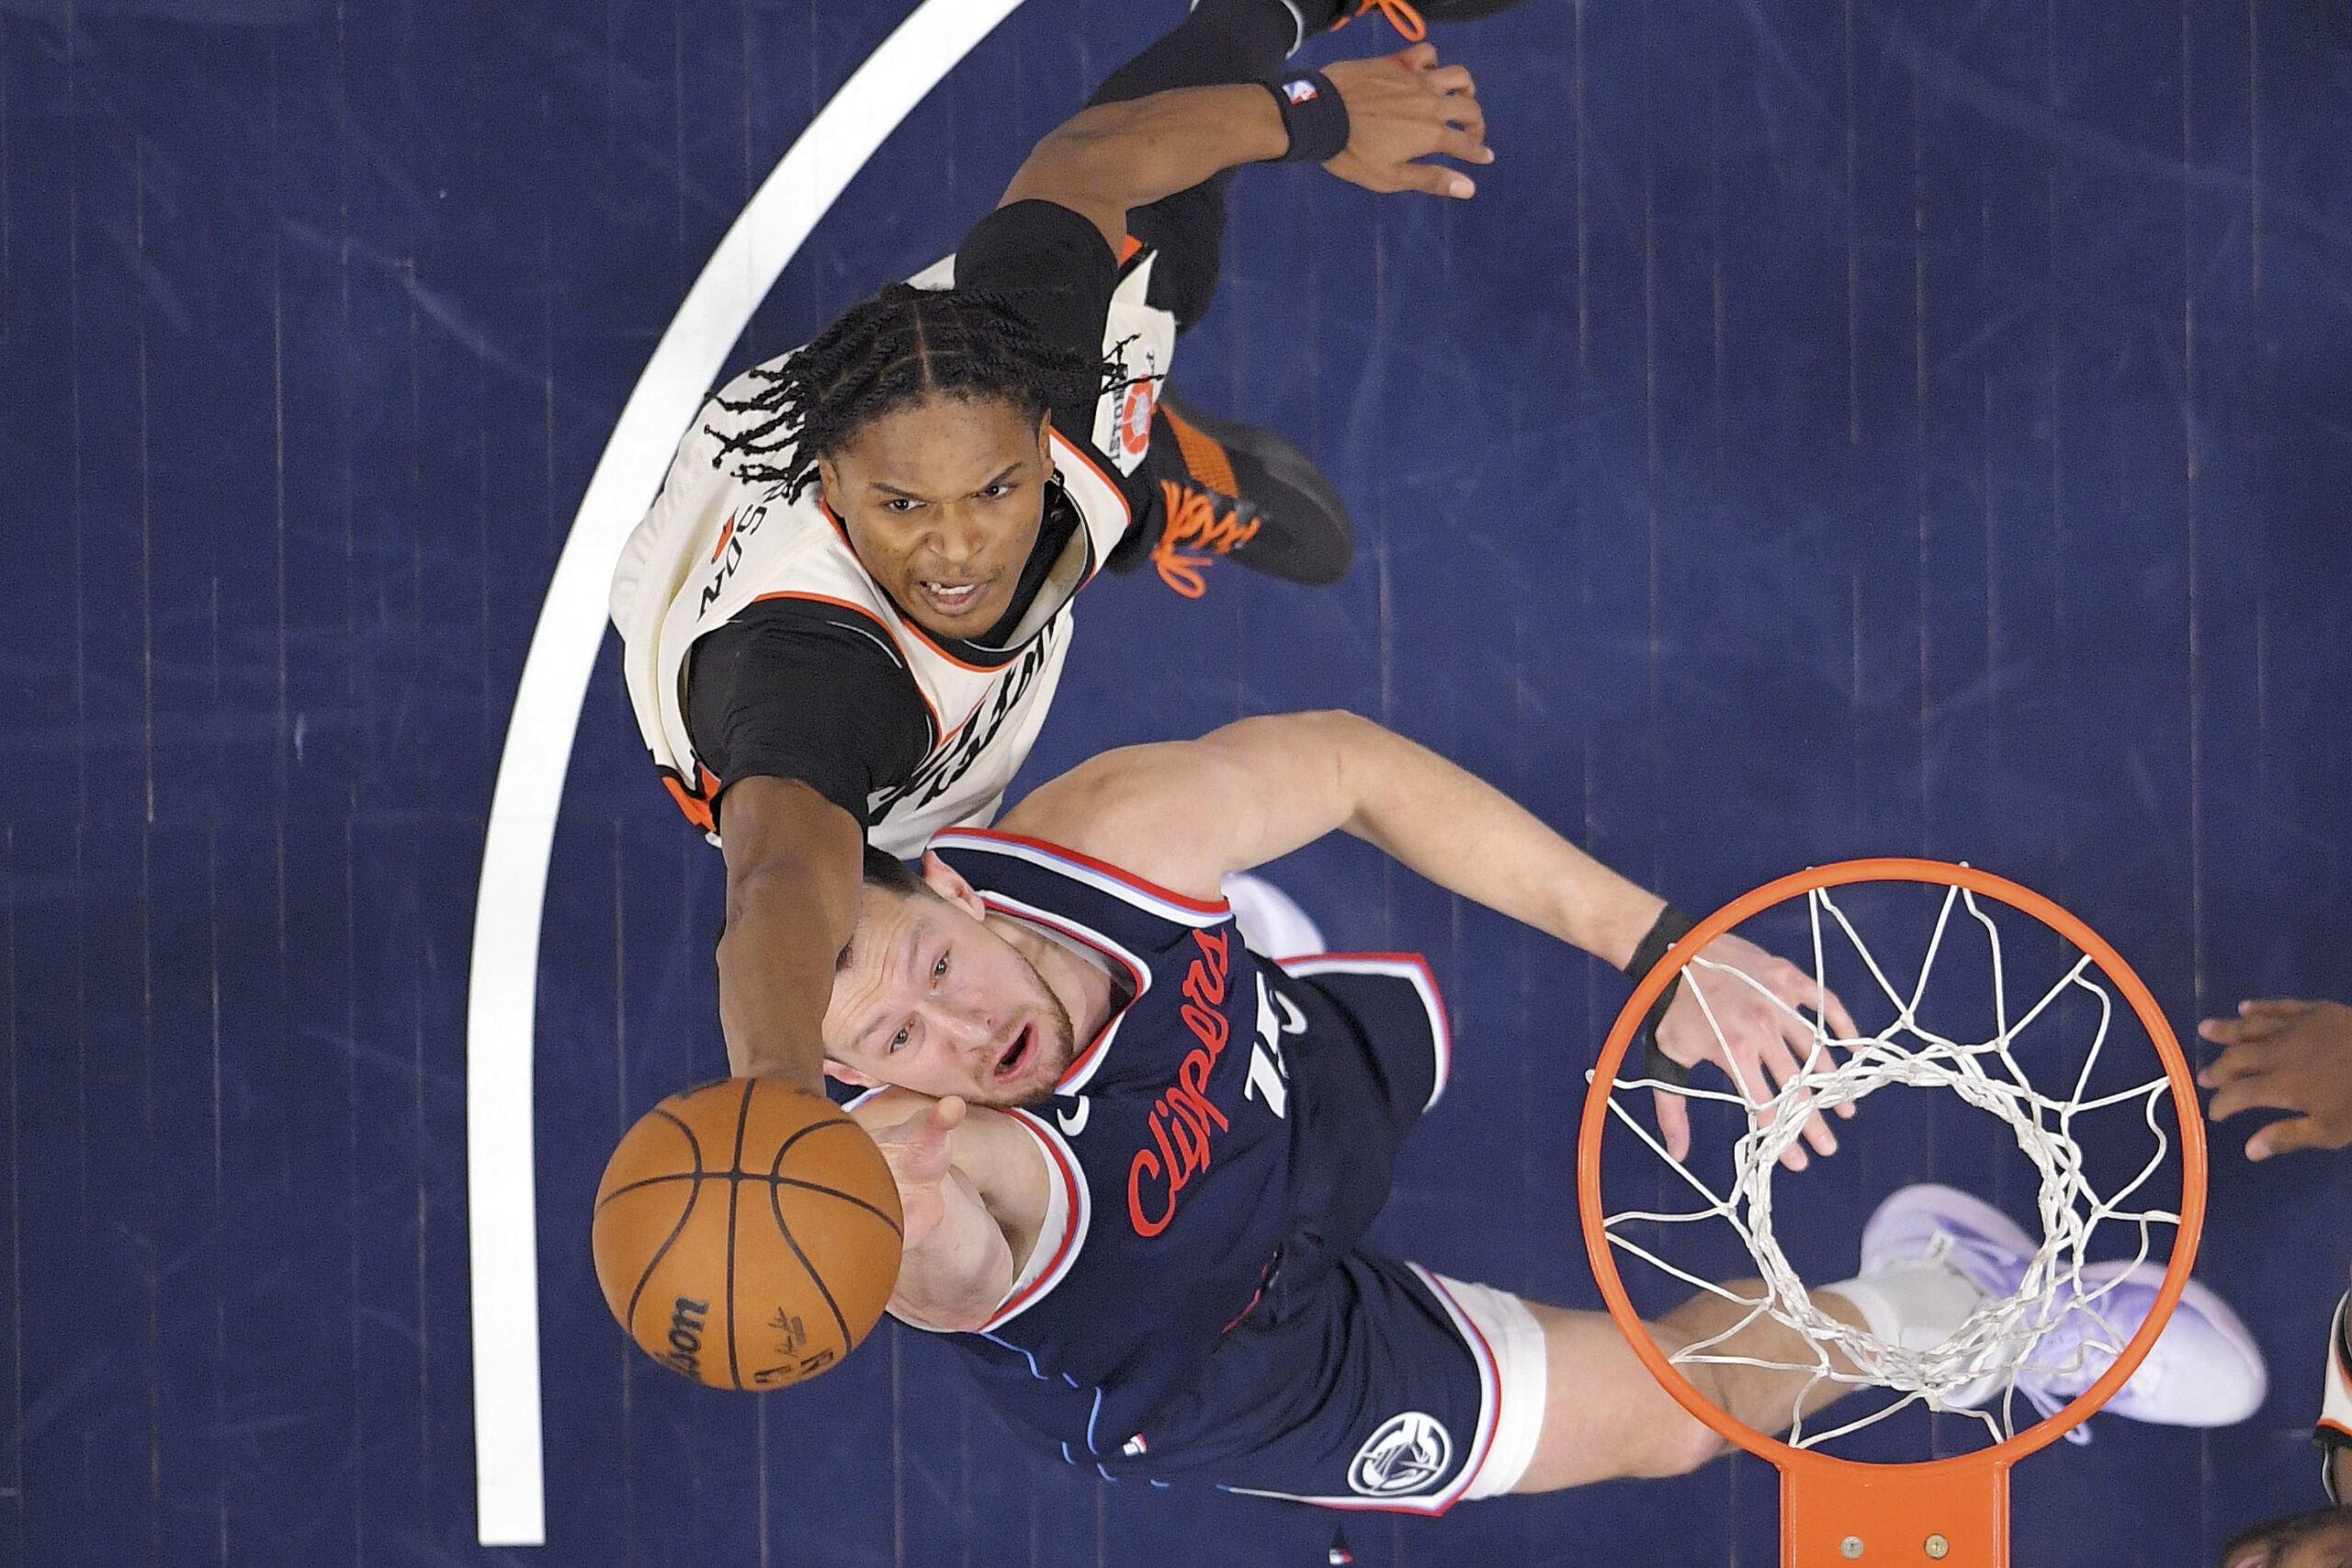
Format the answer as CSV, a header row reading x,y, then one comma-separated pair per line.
x,y
1239,494
1412,17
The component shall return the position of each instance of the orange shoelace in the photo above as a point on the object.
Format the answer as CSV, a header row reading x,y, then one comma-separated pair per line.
x,y
1400,15
1193,521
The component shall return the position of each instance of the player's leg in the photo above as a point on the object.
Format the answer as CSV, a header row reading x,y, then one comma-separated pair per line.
x,y
1224,489
1605,1418
1931,1255
1221,41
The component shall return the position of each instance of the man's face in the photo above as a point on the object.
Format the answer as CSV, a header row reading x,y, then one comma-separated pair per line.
x,y
2321,1538
933,1001
942,503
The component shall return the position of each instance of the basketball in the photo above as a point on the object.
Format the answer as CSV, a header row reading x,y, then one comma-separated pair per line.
x,y
747,1235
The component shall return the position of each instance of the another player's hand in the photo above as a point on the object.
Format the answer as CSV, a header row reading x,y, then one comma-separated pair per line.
x,y
1762,1038
1403,107
917,1150
2286,1055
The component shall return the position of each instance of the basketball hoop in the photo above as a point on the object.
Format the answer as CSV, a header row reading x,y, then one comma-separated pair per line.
x,y
1952,1511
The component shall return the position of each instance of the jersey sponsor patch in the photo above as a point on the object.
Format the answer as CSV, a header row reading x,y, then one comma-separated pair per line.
x,y
1410,1453
1134,428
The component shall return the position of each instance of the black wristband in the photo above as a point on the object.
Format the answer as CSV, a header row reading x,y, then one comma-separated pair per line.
x,y
1671,927
1312,114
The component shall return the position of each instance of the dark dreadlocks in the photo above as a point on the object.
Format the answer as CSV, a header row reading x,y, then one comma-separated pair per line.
x,y
892,351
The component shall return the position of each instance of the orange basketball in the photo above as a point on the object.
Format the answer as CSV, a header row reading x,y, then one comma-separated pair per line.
x,y
746,1233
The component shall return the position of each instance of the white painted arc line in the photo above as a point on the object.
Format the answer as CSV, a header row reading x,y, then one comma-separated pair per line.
x,y
503,981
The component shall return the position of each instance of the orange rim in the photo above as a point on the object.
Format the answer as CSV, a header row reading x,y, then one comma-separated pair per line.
x,y
1824,1472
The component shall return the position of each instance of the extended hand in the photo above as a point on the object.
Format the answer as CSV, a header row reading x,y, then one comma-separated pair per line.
x,y
917,1151
1406,106
2288,1055
1759,1028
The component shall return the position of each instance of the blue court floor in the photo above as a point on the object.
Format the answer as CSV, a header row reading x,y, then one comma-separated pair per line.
x,y
1837,427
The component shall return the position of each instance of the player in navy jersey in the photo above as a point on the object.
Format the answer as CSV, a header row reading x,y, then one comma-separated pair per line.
x,y
1137,1159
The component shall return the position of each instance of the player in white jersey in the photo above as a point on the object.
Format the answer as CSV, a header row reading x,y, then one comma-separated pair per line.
x,y
846,617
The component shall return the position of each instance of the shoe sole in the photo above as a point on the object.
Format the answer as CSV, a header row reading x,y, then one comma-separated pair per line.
x,y
1286,468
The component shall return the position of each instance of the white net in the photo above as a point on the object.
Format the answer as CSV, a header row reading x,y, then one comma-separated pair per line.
x,y
2049,1338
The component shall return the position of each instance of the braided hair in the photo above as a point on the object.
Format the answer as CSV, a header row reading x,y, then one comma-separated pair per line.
x,y
888,353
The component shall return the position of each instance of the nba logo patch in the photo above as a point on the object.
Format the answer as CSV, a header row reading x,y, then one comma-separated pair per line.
x,y
1407,1454
1298,92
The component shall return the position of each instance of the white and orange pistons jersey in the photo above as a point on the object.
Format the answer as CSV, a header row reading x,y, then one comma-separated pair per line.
x,y
715,544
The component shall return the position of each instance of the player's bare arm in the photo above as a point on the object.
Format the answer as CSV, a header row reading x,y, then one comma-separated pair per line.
x,y
973,1191
792,879
1401,108
1185,813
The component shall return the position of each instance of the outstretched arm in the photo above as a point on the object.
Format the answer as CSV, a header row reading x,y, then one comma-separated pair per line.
x,y
972,1190
1401,108
1185,813
793,867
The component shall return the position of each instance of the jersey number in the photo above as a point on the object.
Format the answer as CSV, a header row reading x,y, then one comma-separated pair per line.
x,y
1269,1074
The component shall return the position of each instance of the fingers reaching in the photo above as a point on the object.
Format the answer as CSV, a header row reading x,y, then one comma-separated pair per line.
x,y
1808,1046
2284,1137
1783,1064
1435,178
2250,1091
1833,1011
1403,108
2237,1062
2256,1021
2288,1055
1673,1124
1739,1010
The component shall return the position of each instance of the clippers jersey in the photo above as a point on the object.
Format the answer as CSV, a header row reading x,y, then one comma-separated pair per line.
x,y
1223,1140
715,544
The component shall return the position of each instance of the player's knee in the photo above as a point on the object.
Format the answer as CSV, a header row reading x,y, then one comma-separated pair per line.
x,y
1675,1445
1684,1444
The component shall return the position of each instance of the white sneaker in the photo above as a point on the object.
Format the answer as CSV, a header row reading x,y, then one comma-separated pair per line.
x,y
1987,1245
2205,1370
1927,1226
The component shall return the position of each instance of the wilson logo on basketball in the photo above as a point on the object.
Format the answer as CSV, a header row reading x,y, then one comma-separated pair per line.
x,y
1182,1118
686,1335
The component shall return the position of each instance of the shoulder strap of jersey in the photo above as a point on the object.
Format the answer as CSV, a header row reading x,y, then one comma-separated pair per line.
x,y
1078,887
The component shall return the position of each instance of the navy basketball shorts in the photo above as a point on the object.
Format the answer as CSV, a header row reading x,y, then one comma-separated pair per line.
x,y
1386,1386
